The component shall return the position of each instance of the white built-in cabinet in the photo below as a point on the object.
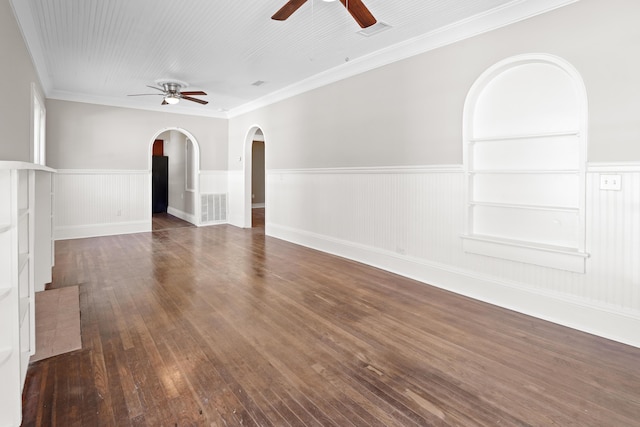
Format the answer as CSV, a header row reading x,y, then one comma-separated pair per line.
x,y
525,156
20,210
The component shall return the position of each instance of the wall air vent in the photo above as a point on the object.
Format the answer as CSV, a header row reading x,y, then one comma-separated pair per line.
x,y
213,208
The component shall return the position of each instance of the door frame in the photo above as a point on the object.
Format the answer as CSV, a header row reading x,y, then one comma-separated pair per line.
x,y
196,161
248,169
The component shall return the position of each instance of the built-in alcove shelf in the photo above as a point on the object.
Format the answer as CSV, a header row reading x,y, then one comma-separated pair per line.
x,y
524,171
544,135
560,257
524,135
25,228
547,208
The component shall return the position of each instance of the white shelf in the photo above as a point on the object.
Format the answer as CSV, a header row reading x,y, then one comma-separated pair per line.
x,y
22,205
22,261
558,257
525,136
24,308
5,353
524,171
525,244
527,207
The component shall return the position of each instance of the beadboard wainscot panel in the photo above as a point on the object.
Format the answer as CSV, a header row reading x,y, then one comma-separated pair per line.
x,y
101,202
409,220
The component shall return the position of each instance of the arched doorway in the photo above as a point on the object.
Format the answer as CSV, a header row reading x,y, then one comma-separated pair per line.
x,y
182,153
255,200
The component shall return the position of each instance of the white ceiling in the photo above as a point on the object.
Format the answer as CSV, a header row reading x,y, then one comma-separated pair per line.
x,y
100,51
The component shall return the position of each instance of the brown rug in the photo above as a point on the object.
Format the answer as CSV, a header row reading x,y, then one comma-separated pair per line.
x,y
57,322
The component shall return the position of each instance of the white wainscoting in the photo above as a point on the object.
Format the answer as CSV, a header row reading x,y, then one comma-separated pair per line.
x,y
101,202
91,203
409,221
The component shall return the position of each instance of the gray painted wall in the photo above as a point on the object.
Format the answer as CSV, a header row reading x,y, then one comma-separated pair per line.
x,y
17,72
89,136
410,112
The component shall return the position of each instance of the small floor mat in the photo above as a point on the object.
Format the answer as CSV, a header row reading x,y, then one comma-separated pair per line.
x,y
57,322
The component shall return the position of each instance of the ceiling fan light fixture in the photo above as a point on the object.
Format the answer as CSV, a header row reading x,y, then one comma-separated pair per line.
x,y
171,99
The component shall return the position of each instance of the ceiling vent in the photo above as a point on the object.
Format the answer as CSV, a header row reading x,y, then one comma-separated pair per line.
x,y
376,28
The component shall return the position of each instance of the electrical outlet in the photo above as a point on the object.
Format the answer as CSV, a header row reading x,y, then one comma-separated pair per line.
x,y
611,182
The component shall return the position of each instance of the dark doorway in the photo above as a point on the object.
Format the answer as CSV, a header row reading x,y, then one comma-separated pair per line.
x,y
159,179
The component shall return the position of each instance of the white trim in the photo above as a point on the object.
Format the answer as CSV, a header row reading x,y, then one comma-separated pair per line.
x,y
510,13
196,171
372,169
98,230
11,164
595,319
248,171
103,172
182,215
596,167
39,152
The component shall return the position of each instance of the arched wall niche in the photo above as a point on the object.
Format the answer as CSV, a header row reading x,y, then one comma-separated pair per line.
x,y
525,142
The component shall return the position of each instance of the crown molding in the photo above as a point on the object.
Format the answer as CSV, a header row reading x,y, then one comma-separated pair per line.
x,y
510,13
118,102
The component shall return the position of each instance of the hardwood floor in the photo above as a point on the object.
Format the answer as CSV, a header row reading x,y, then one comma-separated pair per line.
x,y
258,217
164,221
220,326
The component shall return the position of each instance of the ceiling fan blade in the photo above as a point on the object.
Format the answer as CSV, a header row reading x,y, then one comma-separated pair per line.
x,y
200,101
360,13
197,92
156,88
288,9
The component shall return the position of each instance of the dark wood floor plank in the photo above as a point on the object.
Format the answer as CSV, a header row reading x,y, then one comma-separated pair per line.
x,y
220,326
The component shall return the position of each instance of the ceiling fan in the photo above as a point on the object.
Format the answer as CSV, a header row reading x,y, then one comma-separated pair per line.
x,y
170,91
356,8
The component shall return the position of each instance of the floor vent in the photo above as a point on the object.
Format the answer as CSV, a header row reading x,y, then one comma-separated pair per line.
x,y
214,208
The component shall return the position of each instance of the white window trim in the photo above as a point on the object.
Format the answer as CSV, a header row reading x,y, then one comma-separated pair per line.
x,y
38,137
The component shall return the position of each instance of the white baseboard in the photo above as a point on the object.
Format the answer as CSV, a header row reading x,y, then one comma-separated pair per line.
x,y
97,230
593,319
182,215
